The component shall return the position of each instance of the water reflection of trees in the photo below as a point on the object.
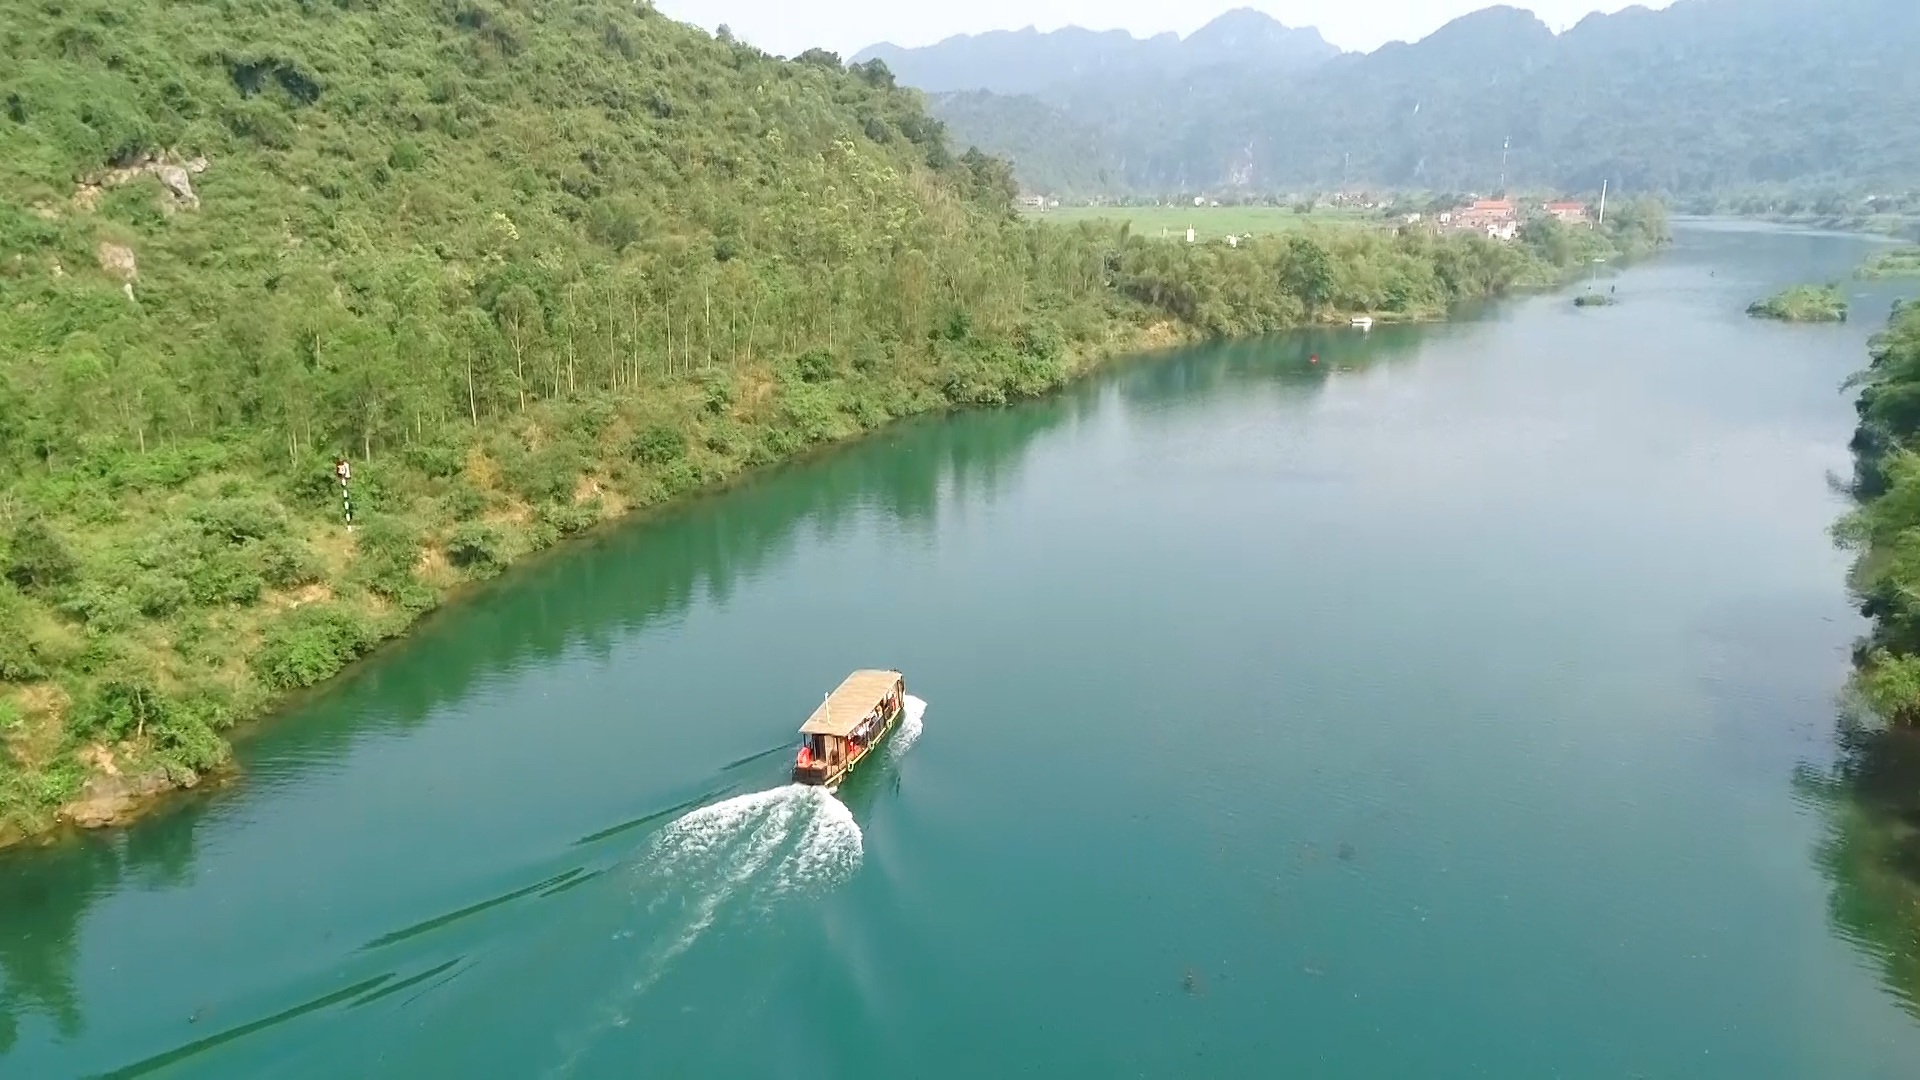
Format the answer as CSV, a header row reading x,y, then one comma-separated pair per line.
x,y
1871,852
1282,362
590,595
44,897
598,593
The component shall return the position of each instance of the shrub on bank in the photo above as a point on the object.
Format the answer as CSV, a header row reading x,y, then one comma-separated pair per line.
x,y
288,563
226,577
20,659
478,547
311,644
389,552
38,557
1891,686
182,730
570,518
659,445
238,520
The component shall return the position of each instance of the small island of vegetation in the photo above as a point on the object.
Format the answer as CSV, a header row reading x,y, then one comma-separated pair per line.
x,y
1898,263
1594,299
1802,303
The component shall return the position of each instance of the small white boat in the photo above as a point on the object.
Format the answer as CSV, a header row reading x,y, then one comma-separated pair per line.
x,y
1363,322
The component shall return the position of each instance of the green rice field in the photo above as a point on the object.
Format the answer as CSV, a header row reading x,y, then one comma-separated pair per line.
x,y
1209,222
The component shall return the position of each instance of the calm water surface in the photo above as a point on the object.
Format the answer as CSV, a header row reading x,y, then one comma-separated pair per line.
x,y
1461,706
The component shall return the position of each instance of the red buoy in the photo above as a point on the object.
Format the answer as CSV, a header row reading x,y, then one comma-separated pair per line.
x,y
1315,358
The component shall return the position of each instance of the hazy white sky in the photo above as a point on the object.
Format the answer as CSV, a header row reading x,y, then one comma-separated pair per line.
x,y
790,26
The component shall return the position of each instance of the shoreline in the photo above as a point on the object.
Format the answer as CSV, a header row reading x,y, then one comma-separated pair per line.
x,y
110,799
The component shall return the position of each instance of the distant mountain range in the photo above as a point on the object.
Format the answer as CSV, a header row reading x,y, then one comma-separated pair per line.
x,y
1028,61
1705,95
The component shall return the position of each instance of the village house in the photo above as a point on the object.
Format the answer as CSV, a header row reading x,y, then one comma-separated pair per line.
x,y
1494,217
1568,212
1489,210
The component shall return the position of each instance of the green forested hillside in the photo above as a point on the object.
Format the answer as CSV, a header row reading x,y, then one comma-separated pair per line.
x,y
530,265
1050,151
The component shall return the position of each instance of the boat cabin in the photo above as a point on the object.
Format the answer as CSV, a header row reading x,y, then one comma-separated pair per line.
x,y
848,725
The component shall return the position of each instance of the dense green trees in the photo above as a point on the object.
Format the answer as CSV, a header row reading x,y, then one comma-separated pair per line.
x,y
530,265
1051,152
1885,529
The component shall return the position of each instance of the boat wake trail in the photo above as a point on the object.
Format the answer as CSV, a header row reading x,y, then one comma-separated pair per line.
x,y
761,846
737,858
723,864
910,726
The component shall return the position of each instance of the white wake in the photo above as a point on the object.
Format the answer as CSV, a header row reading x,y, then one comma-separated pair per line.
x,y
767,843
729,861
910,728
732,860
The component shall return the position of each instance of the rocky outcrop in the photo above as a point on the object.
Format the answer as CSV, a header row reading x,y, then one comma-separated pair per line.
x,y
178,184
175,176
118,260
111,797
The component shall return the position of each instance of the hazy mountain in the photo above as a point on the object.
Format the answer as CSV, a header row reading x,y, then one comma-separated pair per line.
x,y
1023,61
1056,153
1706,94
1252,39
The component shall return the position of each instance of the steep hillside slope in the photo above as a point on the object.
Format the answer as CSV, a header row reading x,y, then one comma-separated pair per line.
x,y
1049,149
528,264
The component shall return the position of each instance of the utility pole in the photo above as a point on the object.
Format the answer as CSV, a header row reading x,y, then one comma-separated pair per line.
x,y
1603,204
345,472
1504,147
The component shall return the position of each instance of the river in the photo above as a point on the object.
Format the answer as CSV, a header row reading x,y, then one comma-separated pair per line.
x,y
1463,704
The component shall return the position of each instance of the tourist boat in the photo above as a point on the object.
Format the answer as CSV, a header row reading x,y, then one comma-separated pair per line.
x,y
1363,322
847,726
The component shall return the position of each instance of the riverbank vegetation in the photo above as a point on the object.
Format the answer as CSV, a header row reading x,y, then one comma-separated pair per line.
x,y
1842,207
1802,303
531,266
1898,263
1871,790
1884,529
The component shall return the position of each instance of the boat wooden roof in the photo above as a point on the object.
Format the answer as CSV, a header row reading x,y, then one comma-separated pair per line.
x,y
850,705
